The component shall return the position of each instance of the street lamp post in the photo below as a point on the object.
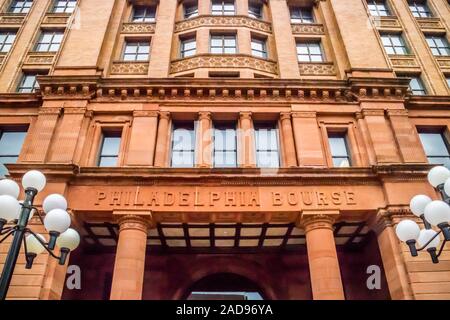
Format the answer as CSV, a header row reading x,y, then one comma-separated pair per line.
x,y
433,214
14,218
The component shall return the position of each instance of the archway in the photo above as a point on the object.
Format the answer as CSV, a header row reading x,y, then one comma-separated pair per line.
x,y
224,286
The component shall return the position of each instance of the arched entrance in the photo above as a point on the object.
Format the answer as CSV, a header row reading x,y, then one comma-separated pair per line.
x,y
224,286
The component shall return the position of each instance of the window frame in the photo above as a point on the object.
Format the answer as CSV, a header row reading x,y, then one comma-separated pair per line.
x,y
253,14
183,41
20,85
8,33
301,15
272,126
444,39
15,129
308,44
414,7
224,126
194,14
66,6
223,37
223,12
53,33
339,134
375,4
109,133
182,125
28,9
264,51
145,16
442,132
139,42
390,36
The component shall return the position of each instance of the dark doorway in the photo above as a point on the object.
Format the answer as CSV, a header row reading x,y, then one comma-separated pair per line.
x,y
224,286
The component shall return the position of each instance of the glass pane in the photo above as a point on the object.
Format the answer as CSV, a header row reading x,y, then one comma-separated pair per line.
x,y
440,160
338,147
108,162
341,162
183,139
230,50
110,146
11,143
268,159
434,144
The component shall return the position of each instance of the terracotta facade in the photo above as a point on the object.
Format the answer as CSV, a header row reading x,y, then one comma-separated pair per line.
x,y
153,230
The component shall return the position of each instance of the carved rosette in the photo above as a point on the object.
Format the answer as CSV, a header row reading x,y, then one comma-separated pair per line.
x,y
317,69
317,221
133,222
129,68
307,28
223,21
224,61
138,28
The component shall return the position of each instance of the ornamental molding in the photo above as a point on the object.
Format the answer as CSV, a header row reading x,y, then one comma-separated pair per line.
x,y
386,22
224,61
56,19
223,21
324,220
444,62
11,18
430,23
317,69
130,67
308,28
403,61
133,222
39,58
132,27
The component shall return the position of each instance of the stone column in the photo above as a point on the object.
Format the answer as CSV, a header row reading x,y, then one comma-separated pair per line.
x,y
288,143
141,149
129,265
204,7
162,140
393,262
246,141
204,140
324,269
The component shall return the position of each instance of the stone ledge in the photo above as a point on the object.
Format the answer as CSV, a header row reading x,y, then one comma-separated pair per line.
x,y
223,21
308,28
130,27
130,67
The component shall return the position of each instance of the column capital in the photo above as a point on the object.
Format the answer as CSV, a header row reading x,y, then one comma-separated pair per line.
x,y
204,115
318,221
245,115
164,115
285,115
133,222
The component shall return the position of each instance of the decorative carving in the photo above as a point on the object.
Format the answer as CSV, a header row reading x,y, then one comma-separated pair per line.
x,y
386,22
223,61
444,62
138,28
133,222
403,61
56,19
40,58
133,67
317,221
307,28
430,23
317,69
223,21
11,18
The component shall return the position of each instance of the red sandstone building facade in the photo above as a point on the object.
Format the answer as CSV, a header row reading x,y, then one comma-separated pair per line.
x,y
268,146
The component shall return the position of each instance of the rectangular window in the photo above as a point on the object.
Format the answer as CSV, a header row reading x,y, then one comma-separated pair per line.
x,y
439,45
378,8
267,150
419,9
416,86
339,150
6,40
64,6
49,41
222,44
259,48
223,7
11,142
448,81
301,15
225,145
394,44
183,145
309,52
188,47
190,10
109,150
255,10
20,6
28,83
136,51
144,14
436,147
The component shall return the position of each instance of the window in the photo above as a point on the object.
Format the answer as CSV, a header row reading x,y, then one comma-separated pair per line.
x,y
436,147
223,44
190,10
394,44
309,52
183,145
49,41
223,7
28,83
416,86
267,151
188,47
255,10
378,8
64,6
109,151
420,9
6,40
448,81
20,6
144,14
339,150
11,142
225,146
301,15
136,51
259,48
438,45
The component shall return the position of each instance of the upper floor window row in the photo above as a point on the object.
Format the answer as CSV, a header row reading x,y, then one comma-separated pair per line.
x,y
49,41
6,40
11,141
144,14
378,8
301,15
20,6
420,9
64,6
310,51
136,51
58,6
394,44
439,45
436,146
223,7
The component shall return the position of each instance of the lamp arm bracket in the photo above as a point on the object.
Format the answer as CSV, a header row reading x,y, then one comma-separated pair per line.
x,y
44,244
429,241
442,248
9,233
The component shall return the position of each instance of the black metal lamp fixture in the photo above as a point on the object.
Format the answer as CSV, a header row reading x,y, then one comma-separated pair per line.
x,y
433,213
14,218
